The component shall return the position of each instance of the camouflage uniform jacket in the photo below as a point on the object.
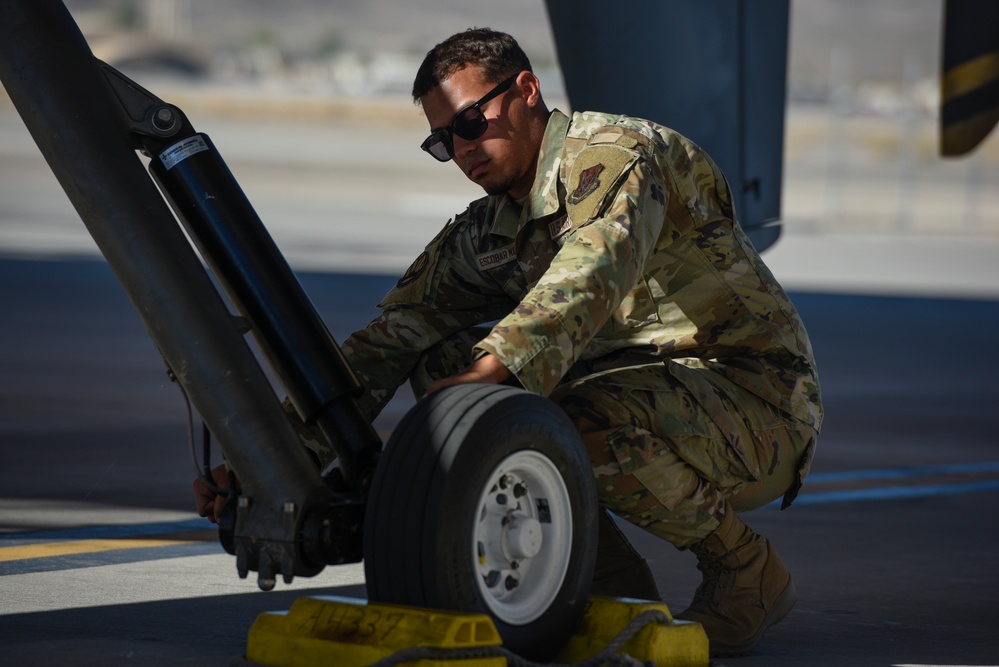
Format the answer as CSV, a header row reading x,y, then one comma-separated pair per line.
x,y
625,252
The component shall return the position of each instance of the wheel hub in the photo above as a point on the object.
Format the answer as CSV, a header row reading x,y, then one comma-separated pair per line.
x,y
523,536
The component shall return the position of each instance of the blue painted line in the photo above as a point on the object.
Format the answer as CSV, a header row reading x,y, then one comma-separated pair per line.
x,y
905,473
891,493
106,532
896,492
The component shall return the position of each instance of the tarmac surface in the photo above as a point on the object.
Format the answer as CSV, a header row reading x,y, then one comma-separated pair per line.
x,y
893,544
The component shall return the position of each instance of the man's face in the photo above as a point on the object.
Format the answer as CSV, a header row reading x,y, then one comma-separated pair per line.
x,y
502,160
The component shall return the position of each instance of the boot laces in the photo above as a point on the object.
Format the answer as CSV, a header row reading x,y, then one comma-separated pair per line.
x,y
713,580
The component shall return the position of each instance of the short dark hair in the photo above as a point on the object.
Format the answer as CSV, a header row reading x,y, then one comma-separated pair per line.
x,y
497,54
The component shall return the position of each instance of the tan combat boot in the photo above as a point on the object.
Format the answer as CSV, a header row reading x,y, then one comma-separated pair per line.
x,y
745,590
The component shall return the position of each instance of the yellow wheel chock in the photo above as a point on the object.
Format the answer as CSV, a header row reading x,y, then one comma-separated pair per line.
x,y
349,632
675,644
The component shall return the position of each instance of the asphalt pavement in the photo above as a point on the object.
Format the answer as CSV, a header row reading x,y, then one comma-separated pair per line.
x,y
893,544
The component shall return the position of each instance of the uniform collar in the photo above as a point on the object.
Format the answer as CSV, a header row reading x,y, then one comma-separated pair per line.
x,y
542,200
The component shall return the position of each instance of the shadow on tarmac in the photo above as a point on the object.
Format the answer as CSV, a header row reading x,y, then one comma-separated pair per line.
x,y
87,415
193,631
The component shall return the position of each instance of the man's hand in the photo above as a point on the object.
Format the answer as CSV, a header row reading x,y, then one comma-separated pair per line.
x,y
487,369
210,504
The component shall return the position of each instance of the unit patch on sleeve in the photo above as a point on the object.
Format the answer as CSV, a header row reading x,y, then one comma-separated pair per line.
x,y
415,270
587,184
596,170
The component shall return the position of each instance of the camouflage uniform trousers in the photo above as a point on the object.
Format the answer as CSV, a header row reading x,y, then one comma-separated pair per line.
x,y
661,460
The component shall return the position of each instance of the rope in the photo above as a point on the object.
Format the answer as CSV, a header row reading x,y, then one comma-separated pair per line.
x,y
608,657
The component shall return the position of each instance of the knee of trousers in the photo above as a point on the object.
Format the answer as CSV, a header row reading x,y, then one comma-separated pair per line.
x,y
638,474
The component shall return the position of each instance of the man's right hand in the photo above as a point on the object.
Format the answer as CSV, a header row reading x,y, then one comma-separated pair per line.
x,y
487,369
209,503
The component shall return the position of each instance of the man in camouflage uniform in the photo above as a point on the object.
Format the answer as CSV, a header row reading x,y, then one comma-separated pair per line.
x,y
607,250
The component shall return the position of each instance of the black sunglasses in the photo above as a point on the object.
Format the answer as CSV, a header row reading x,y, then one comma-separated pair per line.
x,y
469,123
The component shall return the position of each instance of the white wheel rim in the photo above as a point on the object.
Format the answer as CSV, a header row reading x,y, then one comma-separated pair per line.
x,y
522,540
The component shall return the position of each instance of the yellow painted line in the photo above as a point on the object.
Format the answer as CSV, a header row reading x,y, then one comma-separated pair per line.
x,y
50,549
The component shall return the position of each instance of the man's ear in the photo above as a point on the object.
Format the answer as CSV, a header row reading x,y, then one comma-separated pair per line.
x,y
529,87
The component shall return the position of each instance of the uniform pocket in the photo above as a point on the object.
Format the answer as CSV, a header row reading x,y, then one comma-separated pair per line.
x,y
638,308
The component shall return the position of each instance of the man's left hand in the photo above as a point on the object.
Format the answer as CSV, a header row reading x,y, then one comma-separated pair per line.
x,y
487,369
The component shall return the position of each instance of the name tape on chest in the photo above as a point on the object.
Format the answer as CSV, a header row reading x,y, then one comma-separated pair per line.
x,y
494,258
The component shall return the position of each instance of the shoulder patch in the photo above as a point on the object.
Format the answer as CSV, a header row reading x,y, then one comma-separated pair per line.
x,y
414,286
415,270
589,180
594,172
